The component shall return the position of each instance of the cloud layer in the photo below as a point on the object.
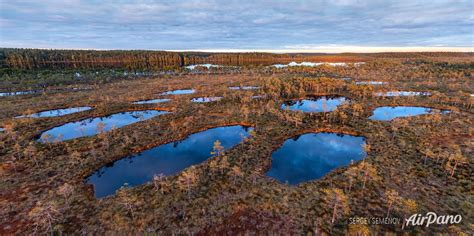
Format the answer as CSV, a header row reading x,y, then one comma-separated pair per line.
x,y
240,25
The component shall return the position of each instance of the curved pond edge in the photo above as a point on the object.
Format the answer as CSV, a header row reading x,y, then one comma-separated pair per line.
x,y
151,145
281,142
36,137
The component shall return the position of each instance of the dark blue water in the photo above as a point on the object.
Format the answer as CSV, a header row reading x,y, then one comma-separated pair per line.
x,y
206,99
160,100
57,112
167,159
390,113
311,156
316,104
89,127
179,92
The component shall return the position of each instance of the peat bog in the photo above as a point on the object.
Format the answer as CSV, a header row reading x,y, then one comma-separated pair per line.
x,y
145,159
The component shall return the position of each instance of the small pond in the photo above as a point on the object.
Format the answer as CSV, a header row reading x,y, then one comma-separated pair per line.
x,y
179,92
167,159
57,112
6,94
315,104
401,94
313,155
208,66
259,96
390,113
159,100
244,88
206,99
93,126
370,82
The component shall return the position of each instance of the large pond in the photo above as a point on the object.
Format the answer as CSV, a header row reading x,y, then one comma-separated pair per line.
x,y
313,155
152,101
401,94
93,126
390,113
206,99
167,159
57,112
179,92
315,104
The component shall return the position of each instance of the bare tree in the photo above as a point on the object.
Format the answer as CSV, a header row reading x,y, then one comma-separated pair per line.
x,y
44,215
392,198
188,179
336,200
66,190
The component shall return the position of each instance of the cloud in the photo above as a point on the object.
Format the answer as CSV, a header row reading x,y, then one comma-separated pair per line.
x,y
232,24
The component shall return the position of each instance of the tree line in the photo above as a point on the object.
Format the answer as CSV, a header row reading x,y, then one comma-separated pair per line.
x,y
31,59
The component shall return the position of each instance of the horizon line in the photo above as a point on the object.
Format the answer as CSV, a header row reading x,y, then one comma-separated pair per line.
x,y
293,49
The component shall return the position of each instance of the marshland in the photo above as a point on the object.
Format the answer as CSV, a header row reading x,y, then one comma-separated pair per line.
x,y
176,143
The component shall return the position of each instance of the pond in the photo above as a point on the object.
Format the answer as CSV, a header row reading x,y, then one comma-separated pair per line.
x,y
6,94
160,100
208,66
390,113
206,99
179,92
401,94
167,159
259,96
314,64
313,155
55,113
370,82
315,104
244,87
93,126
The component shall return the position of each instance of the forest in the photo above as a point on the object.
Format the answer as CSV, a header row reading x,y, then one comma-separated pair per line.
x,y
33,59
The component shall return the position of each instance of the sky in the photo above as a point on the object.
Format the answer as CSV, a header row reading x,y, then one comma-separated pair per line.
x,y
240,25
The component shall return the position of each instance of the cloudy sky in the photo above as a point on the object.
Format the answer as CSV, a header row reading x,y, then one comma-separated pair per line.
x,y
307,25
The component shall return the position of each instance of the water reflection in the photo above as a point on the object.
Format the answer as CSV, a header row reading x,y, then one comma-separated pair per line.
x,y
401,94
315,104
57,112
206,99
314,64
311,156
6,94
244,87
160,100
390,113
94,126
370,82
208,66
179,92
166,159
